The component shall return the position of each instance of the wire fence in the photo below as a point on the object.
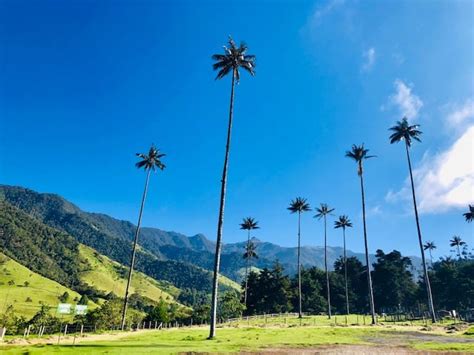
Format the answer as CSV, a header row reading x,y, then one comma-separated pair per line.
x,y
78,330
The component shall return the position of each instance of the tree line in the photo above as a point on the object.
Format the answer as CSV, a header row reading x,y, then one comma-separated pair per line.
x,y
396,288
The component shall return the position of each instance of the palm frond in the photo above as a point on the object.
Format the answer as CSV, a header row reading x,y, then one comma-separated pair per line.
x,y
152,160
299,205
403,131
469,215
249,223
429,246
343,222
233,59
323,210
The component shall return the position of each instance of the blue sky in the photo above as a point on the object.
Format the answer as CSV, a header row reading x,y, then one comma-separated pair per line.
x,y
86,84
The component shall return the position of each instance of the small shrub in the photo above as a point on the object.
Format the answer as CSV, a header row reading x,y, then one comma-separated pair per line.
x,y
469,331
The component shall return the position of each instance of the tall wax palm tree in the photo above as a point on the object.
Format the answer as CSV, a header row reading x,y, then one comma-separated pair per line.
x,y
359,154
430,246
248,224
344,222
299,205
250,253
149,162
458,243
469,215
234,58
402,131
322,211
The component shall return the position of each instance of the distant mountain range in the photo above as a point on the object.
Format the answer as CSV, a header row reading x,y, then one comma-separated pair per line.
x,y
163,255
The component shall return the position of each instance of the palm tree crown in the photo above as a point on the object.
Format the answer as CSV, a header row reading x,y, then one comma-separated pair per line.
x,y
343,222
249,223
250,251
403,131
358,153
429,246
469,215
299,205
151,161
323,210
234,58
456,241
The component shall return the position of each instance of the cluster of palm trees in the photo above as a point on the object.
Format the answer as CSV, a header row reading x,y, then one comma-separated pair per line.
x,y
455,242
236,57
249,224
300,205
230,62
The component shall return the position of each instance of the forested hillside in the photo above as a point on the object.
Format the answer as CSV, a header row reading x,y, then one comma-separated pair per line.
x,y
108,236
45,250
112,237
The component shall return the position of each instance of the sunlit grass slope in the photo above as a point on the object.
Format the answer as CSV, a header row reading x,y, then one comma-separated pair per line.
x,y
109,276
26,298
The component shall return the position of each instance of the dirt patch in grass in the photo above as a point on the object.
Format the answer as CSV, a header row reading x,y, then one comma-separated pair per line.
x,y
406,337
348,349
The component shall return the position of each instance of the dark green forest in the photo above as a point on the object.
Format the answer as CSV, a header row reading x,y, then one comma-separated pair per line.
x,y
396,289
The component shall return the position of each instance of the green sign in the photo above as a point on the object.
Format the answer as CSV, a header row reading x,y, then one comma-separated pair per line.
x,y
80,309
64,308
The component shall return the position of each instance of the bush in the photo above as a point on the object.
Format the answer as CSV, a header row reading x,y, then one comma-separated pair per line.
x,y
469,331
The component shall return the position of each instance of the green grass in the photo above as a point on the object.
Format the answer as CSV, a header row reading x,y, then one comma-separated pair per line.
x,y
39,289
194,340
237,338
338,320
464,347
107,275
223,280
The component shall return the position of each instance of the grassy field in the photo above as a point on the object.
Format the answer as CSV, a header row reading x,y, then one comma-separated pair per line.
x,y
26,299
109,276
271,338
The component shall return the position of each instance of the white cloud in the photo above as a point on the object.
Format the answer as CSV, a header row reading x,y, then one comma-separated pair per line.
x,y
461,113
374,211
369,59
325,9
408,103
443,181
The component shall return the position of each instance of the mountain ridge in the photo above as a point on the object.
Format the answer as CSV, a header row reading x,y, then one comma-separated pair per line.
x,y
161,245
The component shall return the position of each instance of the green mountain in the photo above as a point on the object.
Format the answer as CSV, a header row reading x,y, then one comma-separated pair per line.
x,y
66,226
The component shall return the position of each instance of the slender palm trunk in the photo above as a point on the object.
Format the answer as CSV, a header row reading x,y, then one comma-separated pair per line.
x,y
220,223
134,249
420,240
369,277
326,267
459,252
431,259
345,268
247,269
300,313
